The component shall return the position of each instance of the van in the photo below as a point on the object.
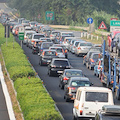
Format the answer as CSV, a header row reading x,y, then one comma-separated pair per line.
x,y
89,100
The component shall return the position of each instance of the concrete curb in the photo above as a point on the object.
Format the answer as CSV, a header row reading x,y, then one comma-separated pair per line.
x,y
7,97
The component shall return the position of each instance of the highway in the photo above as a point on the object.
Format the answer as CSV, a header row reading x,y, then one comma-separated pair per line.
x,y
51,83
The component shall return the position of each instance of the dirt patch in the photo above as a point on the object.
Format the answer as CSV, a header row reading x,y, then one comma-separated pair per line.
x,y
16,109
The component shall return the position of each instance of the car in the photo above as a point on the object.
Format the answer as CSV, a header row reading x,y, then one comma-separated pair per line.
x,y
25,23
47,56
93,59
67,73
89,100
108,112
36,46
83,48
33,23
59,50
26,34
73,84
86,57
64,48
43,46
53,35
57,66
34,38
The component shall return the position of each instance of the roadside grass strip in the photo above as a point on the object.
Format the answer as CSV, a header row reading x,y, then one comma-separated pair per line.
x,y
35,102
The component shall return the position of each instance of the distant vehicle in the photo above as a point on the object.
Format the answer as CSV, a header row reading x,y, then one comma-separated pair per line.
x,y
57,66
67,74
108,112
83,48
59,50
89,100
46,57
25,23
73,84
45,38
26,34
35,37
43,46
92,60
33,24
53,35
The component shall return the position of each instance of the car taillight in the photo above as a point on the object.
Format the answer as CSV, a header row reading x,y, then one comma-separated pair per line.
x,y
25,37
53,66
81,112
43,53
41,50
50,35
32,41
79,48
65,78
92,60
71,88
56,54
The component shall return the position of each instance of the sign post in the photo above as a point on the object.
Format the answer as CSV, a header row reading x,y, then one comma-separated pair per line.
x,y
21,34
114,25
90,21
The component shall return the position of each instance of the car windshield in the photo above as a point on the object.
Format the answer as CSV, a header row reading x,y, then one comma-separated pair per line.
x,y
61,63
70,34
78,83
38,36
73,73
59,50
85,44
96,97
50,53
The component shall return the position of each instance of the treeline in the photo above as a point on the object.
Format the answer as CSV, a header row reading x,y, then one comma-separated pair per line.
x,y
68,12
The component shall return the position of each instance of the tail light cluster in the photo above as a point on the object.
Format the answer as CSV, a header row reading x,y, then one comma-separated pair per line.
x,y
79,48
65,78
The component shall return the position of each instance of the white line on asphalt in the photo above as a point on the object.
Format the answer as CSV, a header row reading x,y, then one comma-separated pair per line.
x,y
7,97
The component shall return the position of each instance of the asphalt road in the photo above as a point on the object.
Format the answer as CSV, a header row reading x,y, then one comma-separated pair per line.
x,y
51,83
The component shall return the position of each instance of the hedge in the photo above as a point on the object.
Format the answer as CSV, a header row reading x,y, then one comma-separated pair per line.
x,y
35,102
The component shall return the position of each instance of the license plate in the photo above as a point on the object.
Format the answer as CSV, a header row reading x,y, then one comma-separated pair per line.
x,y
59,71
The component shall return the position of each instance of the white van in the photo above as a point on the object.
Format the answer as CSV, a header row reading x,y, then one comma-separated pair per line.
x,y
89,100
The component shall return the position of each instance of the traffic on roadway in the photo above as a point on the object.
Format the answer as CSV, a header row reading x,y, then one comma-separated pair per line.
x,y
81,77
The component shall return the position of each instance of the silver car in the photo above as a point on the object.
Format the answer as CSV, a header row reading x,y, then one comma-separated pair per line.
x,y
83,48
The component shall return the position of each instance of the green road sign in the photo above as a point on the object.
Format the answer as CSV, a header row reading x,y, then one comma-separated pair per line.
x,y
114,23
21,36
49,15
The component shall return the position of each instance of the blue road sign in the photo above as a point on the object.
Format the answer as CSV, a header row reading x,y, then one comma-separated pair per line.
x,y
89,20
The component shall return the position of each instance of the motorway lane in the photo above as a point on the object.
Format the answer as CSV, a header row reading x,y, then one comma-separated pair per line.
x,y
52,83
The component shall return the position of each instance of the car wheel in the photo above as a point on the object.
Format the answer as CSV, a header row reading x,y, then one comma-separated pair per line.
x,y
66,99
40,63
94,74
49,73
74,118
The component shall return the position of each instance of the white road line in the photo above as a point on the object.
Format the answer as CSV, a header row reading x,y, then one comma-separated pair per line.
x,y
7,97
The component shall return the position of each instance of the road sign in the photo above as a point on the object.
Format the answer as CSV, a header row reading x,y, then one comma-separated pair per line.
x,y
114,23
113,18
49,15
89,20
21,36
102,26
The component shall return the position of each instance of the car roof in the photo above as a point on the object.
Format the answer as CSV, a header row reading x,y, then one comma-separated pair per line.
x,y
94,89
49,50
55,47
73,70
80,78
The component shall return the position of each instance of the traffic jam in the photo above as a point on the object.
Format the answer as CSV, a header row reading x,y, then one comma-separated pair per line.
x,y
64,61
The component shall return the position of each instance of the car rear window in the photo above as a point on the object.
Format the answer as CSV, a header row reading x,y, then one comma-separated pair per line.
x,y
59,50
50,53
61,63
110,117
47,45
74,73
96,97
38,36
79,83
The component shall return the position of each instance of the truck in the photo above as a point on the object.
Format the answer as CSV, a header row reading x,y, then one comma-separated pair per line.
x,y
108,77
